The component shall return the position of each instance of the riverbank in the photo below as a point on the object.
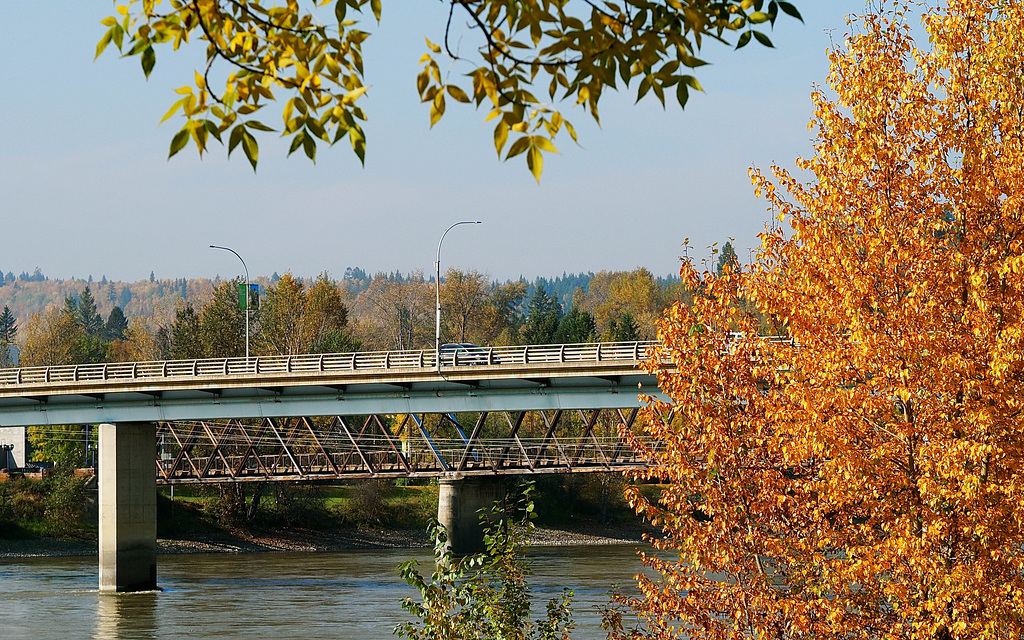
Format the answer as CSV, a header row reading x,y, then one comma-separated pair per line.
x,y
302,540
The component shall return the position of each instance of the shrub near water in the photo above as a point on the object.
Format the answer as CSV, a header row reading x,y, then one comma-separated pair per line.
x,y
486,595
57,507
375,503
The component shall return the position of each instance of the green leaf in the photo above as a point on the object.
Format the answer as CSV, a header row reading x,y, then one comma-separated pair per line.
x,y
358,143
758,17
457,93
645,86
148,60
340,7
763,39
309,146
518,147
235,137
296,142
138,46
259,126
682,94
102,44
178,142
251,149
375,7
211,128
790,10
744,39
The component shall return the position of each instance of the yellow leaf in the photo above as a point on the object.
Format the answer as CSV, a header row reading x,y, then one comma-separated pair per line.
x,y
436,108
535,161
544,144
354,95
500,136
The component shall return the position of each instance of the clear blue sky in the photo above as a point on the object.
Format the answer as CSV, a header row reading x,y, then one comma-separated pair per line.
x,y
86,189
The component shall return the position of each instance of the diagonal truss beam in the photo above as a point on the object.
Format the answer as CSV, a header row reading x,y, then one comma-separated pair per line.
x,y
408,445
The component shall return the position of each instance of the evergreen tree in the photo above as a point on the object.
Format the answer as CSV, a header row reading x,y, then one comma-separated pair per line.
x,y
8,332
124,297
8,326
86,315
91,349
543,318
71,306
727,258
162,342
624,328
116,325
222,323
576,327
336,341
185,341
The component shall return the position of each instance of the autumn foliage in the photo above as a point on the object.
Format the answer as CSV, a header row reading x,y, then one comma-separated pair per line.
x,y
526,62
864,477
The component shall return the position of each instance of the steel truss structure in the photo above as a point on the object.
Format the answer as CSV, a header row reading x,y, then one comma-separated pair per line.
x,y
409,445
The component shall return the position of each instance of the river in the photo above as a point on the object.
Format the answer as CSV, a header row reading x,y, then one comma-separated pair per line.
x,y
352,595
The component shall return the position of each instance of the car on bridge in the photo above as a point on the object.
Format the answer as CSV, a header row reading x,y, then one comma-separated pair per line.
x,y
467,353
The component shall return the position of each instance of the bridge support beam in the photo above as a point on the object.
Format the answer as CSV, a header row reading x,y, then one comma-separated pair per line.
x,y
459,502
127,500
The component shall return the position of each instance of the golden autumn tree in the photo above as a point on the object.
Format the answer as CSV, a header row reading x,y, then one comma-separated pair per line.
x,y
528,58
863,478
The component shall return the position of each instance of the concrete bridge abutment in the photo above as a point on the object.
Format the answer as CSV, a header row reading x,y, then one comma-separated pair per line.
x,y
459,502
127,501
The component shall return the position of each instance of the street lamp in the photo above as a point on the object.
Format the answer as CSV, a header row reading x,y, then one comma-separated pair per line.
x,y
213,246
437,292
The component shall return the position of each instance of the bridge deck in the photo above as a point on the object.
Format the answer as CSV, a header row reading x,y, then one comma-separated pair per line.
x,y
586,376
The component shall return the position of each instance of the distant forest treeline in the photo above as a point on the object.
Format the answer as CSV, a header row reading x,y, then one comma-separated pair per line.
x,y
157,298
53,321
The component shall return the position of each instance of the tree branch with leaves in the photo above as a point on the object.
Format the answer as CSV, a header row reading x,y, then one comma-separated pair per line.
x,y
532,57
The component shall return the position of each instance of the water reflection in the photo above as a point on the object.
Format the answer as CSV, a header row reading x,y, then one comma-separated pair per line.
x,y
126,615
354,595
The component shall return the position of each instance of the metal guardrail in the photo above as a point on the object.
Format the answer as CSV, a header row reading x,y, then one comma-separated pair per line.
x,y
330,362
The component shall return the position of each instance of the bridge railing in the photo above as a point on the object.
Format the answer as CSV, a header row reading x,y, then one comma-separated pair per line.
x,y
330,362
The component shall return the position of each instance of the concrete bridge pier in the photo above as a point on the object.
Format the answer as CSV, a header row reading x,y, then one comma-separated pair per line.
x,y
127,497
459,502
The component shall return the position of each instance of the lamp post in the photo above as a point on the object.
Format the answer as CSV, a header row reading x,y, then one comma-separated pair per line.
x,y
437,292
213,246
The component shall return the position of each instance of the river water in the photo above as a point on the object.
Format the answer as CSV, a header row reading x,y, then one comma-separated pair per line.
x,y
353,595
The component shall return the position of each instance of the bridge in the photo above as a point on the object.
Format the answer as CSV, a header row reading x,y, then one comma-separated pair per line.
x,y
481,415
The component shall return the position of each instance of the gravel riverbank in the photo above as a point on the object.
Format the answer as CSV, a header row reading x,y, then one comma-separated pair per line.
x,y
310,541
